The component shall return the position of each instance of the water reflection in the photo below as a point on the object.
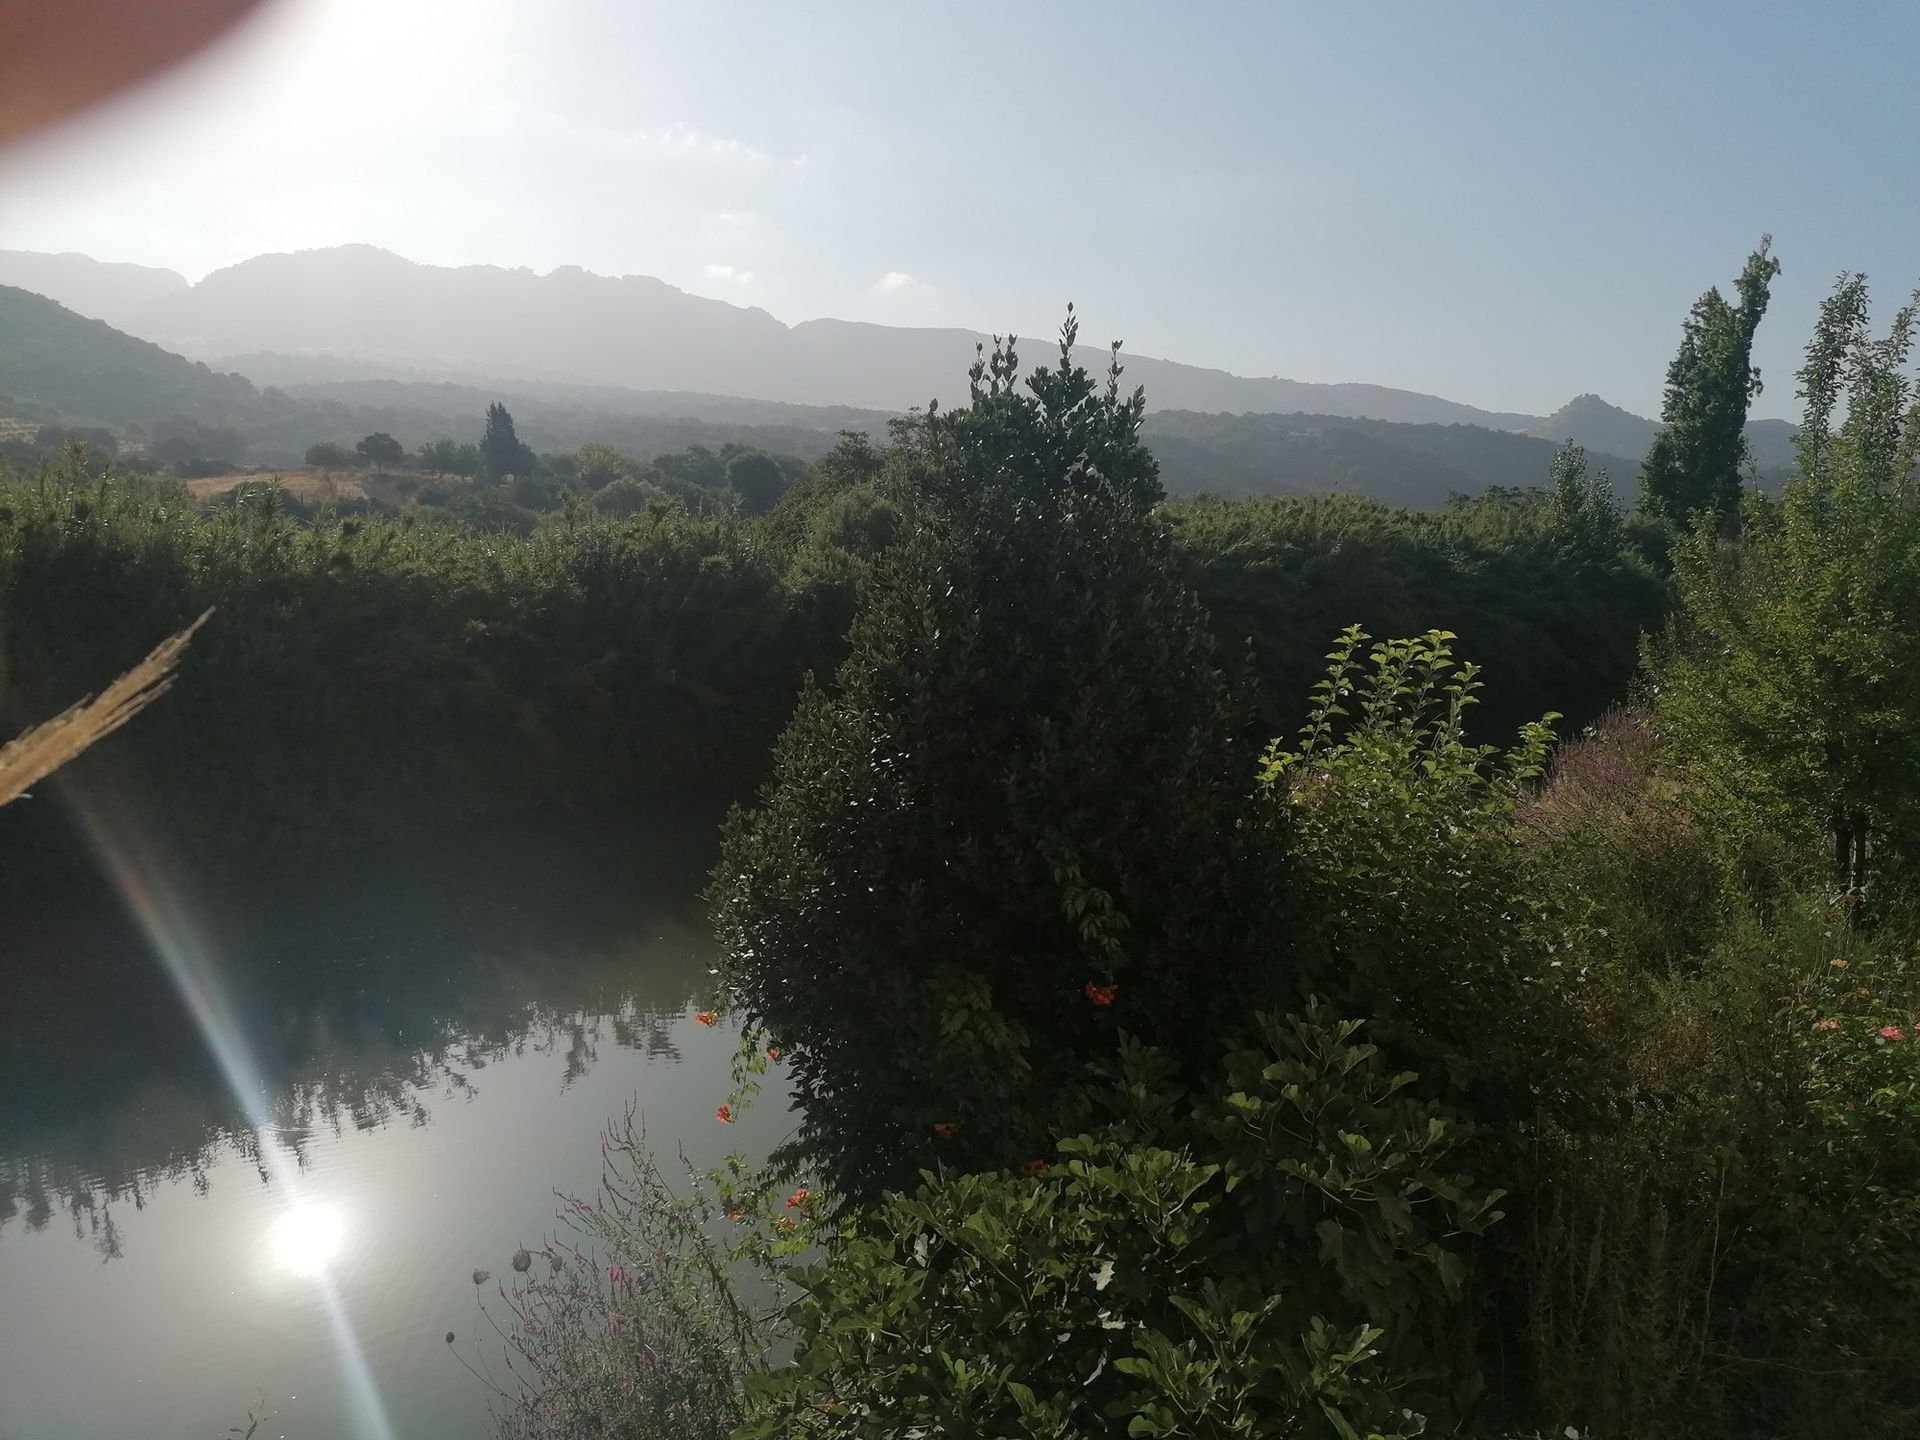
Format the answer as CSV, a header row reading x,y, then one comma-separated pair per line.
x,y
434,1039
307,1237
370,993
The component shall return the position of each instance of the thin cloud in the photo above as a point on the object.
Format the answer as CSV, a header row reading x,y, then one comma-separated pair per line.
x,y
896,282
729,274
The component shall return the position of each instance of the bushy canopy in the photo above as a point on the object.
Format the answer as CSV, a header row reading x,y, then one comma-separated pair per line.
x,y
1013,822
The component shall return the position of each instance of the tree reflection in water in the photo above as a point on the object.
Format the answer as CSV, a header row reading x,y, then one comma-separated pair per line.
x,y
374,991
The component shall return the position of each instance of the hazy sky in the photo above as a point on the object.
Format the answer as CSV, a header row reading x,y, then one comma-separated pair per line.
x,y
1502,204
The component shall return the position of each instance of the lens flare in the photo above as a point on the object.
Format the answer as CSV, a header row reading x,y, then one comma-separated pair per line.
x,y
308,1235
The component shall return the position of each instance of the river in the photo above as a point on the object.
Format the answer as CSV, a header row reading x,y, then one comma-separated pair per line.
x,y
254,1145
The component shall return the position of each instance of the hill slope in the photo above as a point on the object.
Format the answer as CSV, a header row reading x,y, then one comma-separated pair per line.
x,y
56,364
1413,465
115,293
59,366
367,305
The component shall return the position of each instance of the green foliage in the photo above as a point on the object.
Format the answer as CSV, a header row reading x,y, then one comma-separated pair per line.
x,y
501,453
378,449
621,498
1000,801
448,457
758,480
451,673
1791,682
1582,508
596,466
330,456
1271,1256
1694,465
1532,588
1408,864
1727,1247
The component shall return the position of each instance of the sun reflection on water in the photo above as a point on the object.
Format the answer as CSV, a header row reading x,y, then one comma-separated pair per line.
x,y
307,1237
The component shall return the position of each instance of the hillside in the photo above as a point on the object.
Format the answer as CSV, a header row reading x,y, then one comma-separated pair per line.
x,y
1590,421
113,292
389,316
1412,465
59,366
55,364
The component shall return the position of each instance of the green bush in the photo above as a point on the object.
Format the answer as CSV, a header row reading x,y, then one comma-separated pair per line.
x,y
366,676
1272,1257
1404,844
1012,824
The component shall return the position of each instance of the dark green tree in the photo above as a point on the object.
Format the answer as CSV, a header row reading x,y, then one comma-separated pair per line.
x,y
380,449
1694,465
757,479
1015,824
329,456
441,457
501,453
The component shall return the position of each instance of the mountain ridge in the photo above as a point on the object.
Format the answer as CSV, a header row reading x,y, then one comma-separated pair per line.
x,y
59,367
365,303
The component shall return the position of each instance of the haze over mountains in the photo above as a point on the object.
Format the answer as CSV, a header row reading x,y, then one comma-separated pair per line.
x,y
365,304
358,337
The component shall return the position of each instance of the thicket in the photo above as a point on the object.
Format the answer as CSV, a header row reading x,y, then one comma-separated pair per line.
x,y
369,675
1513,1090
1550,588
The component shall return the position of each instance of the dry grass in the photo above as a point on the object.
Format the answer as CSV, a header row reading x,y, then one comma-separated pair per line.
x,y
309,484
32,756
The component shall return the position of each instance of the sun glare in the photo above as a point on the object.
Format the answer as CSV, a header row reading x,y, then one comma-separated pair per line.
x,y
307,1238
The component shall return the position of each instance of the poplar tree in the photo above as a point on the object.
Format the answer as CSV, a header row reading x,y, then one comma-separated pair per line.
x,y
1695,463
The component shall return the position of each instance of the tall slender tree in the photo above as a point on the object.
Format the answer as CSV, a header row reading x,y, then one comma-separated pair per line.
x,y
1694,465
1791,683
501,453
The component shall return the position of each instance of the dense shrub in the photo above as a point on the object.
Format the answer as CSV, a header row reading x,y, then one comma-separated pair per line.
x,y
1011,824
1274,1256
1404,843
365,676
1550,599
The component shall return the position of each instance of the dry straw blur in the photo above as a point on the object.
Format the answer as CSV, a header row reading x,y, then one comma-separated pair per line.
x,y
32,756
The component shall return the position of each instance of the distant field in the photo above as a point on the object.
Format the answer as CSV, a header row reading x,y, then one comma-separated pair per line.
x,y
309,484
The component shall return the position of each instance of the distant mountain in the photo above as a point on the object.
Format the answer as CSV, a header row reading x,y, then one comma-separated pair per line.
x,y
1414,465
390,316
58,366
1589,421
1772,443
115,293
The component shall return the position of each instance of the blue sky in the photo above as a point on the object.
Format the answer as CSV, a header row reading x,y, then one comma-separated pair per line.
x,y
1505,204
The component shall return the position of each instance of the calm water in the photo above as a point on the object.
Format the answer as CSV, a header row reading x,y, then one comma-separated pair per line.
x,y
257,1134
